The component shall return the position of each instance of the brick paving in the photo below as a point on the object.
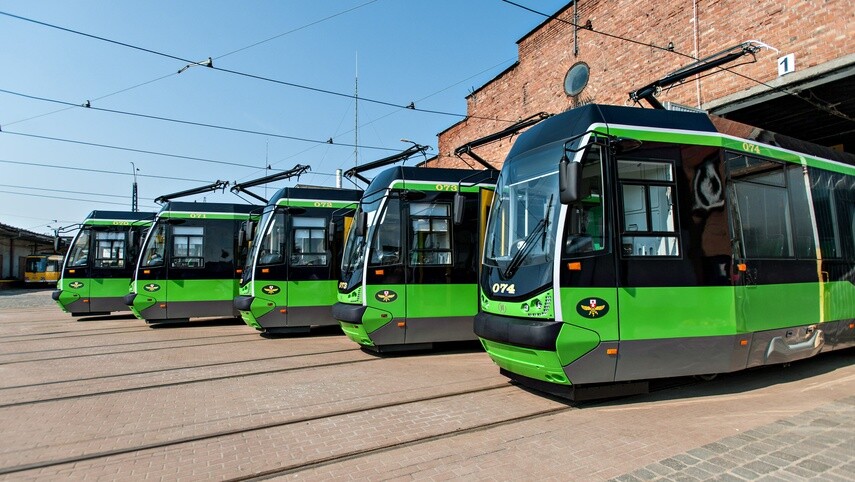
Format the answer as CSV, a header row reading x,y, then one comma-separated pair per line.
x,y
113,399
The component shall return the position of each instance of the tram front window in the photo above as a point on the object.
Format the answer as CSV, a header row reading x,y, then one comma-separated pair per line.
x,y
355,246
80,251
272,246
256,243
155,246
523,218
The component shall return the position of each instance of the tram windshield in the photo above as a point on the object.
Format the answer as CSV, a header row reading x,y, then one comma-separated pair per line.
x,y
271,249
79,253
355,247
257,240
523,217
155,246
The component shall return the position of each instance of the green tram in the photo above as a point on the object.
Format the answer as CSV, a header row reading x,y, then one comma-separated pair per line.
x,y
629,244
191,262
289,283
410,266
100,262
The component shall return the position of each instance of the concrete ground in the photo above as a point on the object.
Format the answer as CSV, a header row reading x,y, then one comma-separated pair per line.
x,y
110,398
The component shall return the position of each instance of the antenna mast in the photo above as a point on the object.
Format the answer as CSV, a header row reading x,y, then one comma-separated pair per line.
x,y
356,114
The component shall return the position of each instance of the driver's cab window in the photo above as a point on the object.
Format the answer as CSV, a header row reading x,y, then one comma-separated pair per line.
x,y
109,249
586,218
310,242
430,237
648,193
187,247
386,245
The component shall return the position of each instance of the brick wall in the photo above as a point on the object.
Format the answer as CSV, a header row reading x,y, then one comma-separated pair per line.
x,y
816,31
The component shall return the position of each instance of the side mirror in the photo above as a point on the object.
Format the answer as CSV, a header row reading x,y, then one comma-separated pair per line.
x,y
330,232
56,244
246,233
459,204
361,223
568,180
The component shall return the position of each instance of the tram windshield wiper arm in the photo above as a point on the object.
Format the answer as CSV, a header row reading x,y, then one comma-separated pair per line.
x,y
528,242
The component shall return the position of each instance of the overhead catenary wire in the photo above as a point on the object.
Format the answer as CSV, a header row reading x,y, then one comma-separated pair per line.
x,y
101,171
128,149
409,106
34,188
173,73
99,201
186,122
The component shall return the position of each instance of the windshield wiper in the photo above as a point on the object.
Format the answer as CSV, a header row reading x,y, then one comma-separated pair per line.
x,y
528,242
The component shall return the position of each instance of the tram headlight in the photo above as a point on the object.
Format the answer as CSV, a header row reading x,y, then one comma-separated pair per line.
x,y
537,304
525,307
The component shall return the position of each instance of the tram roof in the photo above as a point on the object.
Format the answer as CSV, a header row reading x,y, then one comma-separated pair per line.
x,y
579,120
178,206
427,174
121,215
318,193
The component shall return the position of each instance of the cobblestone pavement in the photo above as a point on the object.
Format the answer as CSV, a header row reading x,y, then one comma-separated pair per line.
x,y
110,398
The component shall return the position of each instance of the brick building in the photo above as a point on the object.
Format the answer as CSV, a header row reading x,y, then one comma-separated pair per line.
x,y
812,101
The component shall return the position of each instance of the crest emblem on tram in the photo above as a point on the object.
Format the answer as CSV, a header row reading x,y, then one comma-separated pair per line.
x,y
271,289
386,296
75,284
592,307
151,287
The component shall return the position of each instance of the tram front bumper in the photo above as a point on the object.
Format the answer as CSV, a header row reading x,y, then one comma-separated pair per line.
x,y
70,302
522,347
245,304
350,318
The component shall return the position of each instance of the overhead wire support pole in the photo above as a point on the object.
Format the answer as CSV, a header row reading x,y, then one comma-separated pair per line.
x,y
401,156
189,192
506,132
649,91
294,171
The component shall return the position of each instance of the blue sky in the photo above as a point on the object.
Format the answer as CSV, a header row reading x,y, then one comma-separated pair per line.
x,y
428,52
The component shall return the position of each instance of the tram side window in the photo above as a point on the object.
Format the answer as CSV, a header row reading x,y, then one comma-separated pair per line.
x,y
586,224
834,201
386,245
762,207
430,234
187,244
109,250
310,242
804,242
648,194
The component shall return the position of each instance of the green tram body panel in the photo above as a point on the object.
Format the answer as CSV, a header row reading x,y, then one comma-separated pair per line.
x,y
190,263
292,293
421,268
714,289
97,284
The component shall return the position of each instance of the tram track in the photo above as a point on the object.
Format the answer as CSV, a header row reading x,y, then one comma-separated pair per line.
x,y
48,335
186,382
277,424
358,454
166,370
13,362
134,343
